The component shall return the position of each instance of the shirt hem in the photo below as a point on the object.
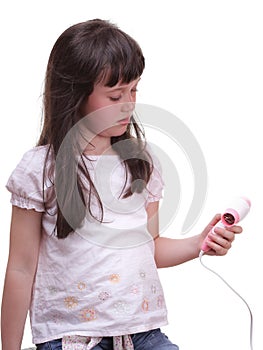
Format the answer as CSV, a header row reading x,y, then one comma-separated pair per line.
x,y
130,331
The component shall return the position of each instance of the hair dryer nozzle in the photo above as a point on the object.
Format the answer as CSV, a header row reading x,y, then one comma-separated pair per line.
x,y
236,212
228,218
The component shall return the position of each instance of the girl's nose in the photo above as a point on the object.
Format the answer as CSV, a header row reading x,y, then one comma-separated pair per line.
x,y
128,106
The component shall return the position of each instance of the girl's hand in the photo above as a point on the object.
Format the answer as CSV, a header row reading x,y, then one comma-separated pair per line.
x,y
220,242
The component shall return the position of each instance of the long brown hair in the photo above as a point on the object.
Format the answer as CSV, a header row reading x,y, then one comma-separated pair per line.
x,y
83,55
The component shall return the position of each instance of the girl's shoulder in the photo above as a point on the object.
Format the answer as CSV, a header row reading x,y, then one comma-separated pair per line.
x,y
27,177
37,153
34,159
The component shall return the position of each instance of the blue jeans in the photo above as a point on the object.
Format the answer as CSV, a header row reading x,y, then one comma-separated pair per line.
x,y
151,340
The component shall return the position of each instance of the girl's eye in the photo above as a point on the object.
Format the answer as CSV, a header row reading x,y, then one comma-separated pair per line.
x,y
115,98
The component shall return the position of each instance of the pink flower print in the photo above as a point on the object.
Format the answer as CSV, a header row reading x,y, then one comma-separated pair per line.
x,y
88,314
77,342
122,342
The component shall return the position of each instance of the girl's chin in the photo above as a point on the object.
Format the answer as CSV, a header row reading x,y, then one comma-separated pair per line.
x,y
116,130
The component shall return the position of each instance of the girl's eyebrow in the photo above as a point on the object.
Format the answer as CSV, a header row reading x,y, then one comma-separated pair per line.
x,y
121,87
118,88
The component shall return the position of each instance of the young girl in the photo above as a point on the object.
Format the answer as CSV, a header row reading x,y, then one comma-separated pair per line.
x,y
84,247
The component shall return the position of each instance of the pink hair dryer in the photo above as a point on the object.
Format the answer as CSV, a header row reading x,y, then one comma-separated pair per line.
x,y
237,210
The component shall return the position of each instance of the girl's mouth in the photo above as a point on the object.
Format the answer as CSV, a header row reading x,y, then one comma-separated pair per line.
x,y
124,121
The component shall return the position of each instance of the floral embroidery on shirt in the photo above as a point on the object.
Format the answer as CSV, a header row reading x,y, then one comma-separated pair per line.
x,y
153,288
135,289
52,289
121,307
88,314
71,302
142,274
104,295
114,278
160,301
145,305
56,318
82,285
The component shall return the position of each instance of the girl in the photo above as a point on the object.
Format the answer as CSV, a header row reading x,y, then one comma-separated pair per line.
x,y
84,232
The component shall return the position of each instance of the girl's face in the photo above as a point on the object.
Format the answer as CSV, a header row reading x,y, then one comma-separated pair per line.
x,y
108,109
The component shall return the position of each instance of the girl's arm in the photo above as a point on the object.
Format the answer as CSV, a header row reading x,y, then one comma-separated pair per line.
x,y
170,252
22,262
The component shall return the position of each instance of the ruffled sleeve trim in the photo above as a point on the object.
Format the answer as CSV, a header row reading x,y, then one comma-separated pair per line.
x,y
26,203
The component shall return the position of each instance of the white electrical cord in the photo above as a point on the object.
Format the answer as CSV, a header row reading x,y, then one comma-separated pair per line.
x,y
233,290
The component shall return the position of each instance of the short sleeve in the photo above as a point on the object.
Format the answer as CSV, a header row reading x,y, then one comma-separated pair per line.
x,y
155,185
26,181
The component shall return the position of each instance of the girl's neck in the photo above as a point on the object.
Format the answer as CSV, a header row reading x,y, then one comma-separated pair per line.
x,y
99,146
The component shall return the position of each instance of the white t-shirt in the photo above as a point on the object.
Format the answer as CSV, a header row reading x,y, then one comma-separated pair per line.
x,y
102,279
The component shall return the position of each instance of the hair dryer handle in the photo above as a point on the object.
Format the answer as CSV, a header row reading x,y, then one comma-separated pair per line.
x,y
204,246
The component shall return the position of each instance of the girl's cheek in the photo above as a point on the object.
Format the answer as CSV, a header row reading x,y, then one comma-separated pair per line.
x,y
102,119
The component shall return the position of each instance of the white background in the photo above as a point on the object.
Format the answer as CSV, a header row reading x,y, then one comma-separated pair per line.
x,y
203,64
